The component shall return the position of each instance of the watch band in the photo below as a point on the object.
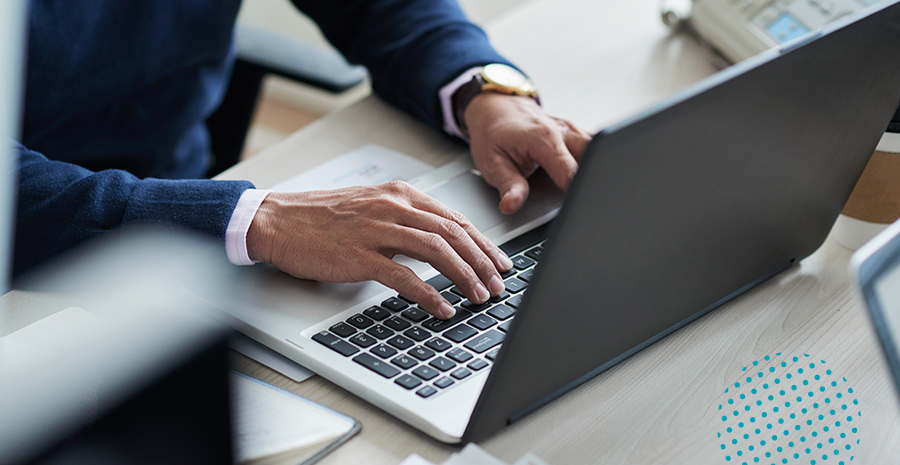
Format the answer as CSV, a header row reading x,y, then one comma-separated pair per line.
x,y
461,99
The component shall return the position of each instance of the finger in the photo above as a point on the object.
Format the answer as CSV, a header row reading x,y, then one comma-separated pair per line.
x,y
576,140
403,280
557,161
464,244
429,204
432,248
500,172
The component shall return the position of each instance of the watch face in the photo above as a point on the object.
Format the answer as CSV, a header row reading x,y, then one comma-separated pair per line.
x,y
506,76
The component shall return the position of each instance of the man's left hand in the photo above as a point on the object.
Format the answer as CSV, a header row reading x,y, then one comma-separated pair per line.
x,y
511,137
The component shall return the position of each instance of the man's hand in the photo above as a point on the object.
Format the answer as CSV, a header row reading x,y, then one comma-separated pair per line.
x,y
511,137
350,235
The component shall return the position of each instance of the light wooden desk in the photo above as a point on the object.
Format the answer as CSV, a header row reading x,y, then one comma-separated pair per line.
x,y
597,61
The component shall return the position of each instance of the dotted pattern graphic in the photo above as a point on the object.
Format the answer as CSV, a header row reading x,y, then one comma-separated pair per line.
x,y
788,410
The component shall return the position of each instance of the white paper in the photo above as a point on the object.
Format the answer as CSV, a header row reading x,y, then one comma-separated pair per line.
x,y
269,358
268,421
416,459
473,455
368,165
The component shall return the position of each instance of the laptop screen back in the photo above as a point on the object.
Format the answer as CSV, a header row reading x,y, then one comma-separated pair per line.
x,y
688,205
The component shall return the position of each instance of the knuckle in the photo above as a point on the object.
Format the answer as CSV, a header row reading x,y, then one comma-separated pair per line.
x,y
397,186
434,243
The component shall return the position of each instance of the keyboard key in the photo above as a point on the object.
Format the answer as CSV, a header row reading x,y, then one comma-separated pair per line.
x,y
426,392
515,285
421,353
417,334
394,304
485,342
406,299
408,381
343,329
438,344
372,363
444,382
475,307
510,272
400,342
360,321
505,326
383,351
451,297
396,323
461,373
380,332
460,333
535,253
425,372
332,341
376,313
363,340
482,322
439,325
404,362
459,355
439,282
415,314
442,364
501,312
514,301
499,298
522,262
526,275
456,291
477,364
492,355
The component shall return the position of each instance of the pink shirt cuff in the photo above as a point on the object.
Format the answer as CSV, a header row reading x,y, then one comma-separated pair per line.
x,y
239,225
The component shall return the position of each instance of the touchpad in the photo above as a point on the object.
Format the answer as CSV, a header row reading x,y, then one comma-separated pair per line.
x,y
470,195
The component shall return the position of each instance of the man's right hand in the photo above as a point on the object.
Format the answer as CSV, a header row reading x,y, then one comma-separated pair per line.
x,y
351,235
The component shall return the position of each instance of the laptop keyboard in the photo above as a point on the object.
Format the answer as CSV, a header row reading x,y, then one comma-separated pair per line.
x,y
425,355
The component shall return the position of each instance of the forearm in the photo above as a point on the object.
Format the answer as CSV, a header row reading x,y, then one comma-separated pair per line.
x,y
61,205
411,47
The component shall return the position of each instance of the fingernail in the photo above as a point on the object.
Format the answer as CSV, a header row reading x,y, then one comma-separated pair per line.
x,y
505,262
482,293
447,310
497,286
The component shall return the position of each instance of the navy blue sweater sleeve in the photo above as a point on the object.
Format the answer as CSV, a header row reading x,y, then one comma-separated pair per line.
x,y
412,48
61,205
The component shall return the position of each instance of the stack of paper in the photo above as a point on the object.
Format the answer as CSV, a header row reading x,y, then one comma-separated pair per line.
x,y
474,455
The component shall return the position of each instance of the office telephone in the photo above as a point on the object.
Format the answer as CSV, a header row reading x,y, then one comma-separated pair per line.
x,y
739,29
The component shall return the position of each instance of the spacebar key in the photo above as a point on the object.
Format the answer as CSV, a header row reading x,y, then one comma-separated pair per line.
x,y
378,366
484,342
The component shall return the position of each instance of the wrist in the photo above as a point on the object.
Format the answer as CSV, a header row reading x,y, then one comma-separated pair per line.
x,y
260,235
492,79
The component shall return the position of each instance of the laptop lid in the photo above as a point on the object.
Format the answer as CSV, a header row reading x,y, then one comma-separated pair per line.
x,y
682,208
876,269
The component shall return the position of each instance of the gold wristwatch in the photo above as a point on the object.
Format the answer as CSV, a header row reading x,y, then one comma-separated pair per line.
x,y
495,77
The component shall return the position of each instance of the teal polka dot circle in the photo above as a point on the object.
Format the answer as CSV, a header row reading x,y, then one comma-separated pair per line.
x,y
788,410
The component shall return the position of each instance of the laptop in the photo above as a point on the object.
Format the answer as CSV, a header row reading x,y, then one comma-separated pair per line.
x,y
876,271
674,212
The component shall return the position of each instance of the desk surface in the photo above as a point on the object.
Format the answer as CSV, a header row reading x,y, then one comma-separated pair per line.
x,y
596,62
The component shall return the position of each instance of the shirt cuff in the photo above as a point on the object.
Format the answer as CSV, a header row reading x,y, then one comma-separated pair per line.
x,y
446,96
239,225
